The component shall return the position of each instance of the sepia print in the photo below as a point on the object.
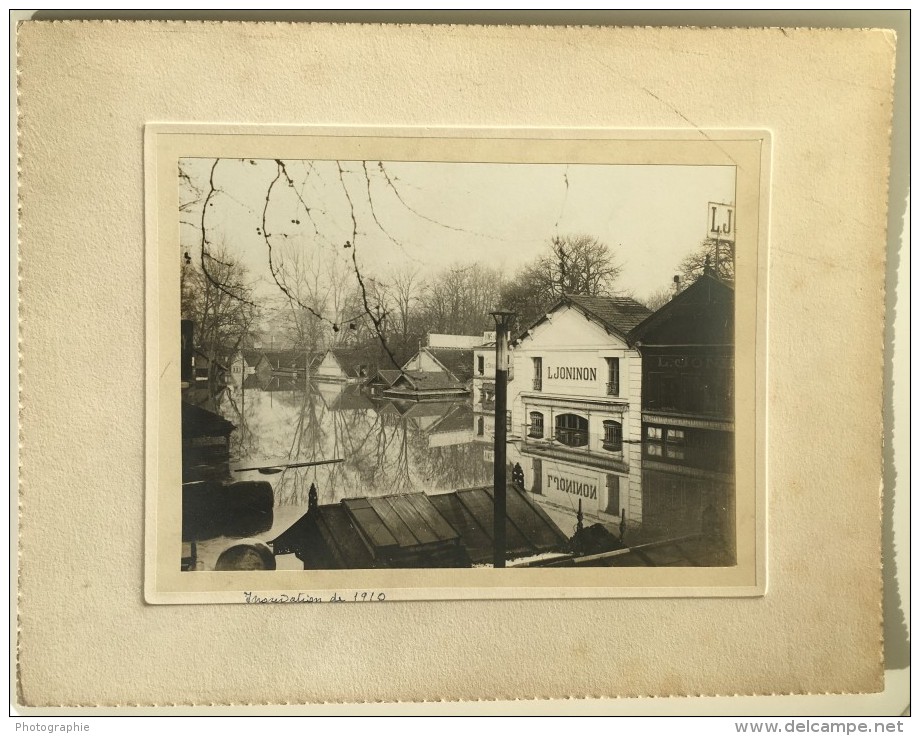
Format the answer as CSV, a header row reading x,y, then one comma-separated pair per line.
x,y
410,367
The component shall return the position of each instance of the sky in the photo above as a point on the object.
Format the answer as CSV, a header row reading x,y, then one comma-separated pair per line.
x,y
430,215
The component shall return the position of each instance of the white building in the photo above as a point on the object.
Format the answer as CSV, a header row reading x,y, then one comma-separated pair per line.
x,y
576,420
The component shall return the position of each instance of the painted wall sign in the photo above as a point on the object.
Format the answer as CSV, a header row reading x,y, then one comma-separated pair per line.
x,y
572,486
570,373
722,221
699,362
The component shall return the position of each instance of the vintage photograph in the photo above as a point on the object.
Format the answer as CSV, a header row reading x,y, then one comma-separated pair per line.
x,y
455,364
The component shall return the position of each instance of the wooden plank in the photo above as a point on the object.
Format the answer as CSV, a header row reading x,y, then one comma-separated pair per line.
x,y
370,524
404,535
413,519
426,509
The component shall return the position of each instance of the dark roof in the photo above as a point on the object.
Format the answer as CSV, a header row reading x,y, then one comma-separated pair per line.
x,y
329,529
292,359
459,361
418,530
386,377
350,359
707,305
529,530
198,422
689,551
427,380
251,357
617,314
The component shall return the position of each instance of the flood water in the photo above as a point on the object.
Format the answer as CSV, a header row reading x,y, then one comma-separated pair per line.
x,y
386,447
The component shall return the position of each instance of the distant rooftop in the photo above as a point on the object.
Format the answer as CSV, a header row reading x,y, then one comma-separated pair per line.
x,y
618,314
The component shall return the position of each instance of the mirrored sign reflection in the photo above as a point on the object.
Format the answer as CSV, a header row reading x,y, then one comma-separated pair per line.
x,y
262,453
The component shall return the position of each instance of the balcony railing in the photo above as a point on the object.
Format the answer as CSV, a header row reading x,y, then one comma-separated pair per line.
x,y
576,439
537,384
613,388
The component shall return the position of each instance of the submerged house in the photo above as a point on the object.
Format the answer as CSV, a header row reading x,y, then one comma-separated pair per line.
x,y
244,364
345,365
381,380
434,374
283,362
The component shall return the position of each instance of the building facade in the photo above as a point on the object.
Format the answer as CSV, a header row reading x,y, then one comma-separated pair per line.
x,y
346,365
687,350
575,422
483,398
436,372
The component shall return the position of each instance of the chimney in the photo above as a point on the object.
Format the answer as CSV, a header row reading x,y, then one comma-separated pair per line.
x,y
676,286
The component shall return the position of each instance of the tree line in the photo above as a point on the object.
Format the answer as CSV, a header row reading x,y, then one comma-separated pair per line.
x,y
323,306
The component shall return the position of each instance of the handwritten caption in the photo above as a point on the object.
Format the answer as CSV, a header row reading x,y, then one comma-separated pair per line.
x,y
359,596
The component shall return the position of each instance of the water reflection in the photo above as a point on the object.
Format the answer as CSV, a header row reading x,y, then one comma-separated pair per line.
x,y
388,447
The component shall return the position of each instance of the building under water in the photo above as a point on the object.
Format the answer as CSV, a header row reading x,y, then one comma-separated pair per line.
x,y
627,416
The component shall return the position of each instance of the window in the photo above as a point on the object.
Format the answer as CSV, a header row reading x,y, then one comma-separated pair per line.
x,y
613,376
654,436
572,430
481,364
675,453
613,495
537,374
666,442
613,436
480,427
536,425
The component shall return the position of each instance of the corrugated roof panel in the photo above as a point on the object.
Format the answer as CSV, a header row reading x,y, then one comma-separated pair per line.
x,y
425,507
405,535
342,539
532,521
481,506
476,539
369,523
416,523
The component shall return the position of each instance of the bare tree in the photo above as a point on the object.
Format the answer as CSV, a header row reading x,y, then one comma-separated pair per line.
x,y
458,300
405,285
219,303
658,298
717,258
573,264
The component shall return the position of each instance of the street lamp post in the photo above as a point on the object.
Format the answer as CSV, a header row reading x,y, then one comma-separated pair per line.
x,y
502,324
